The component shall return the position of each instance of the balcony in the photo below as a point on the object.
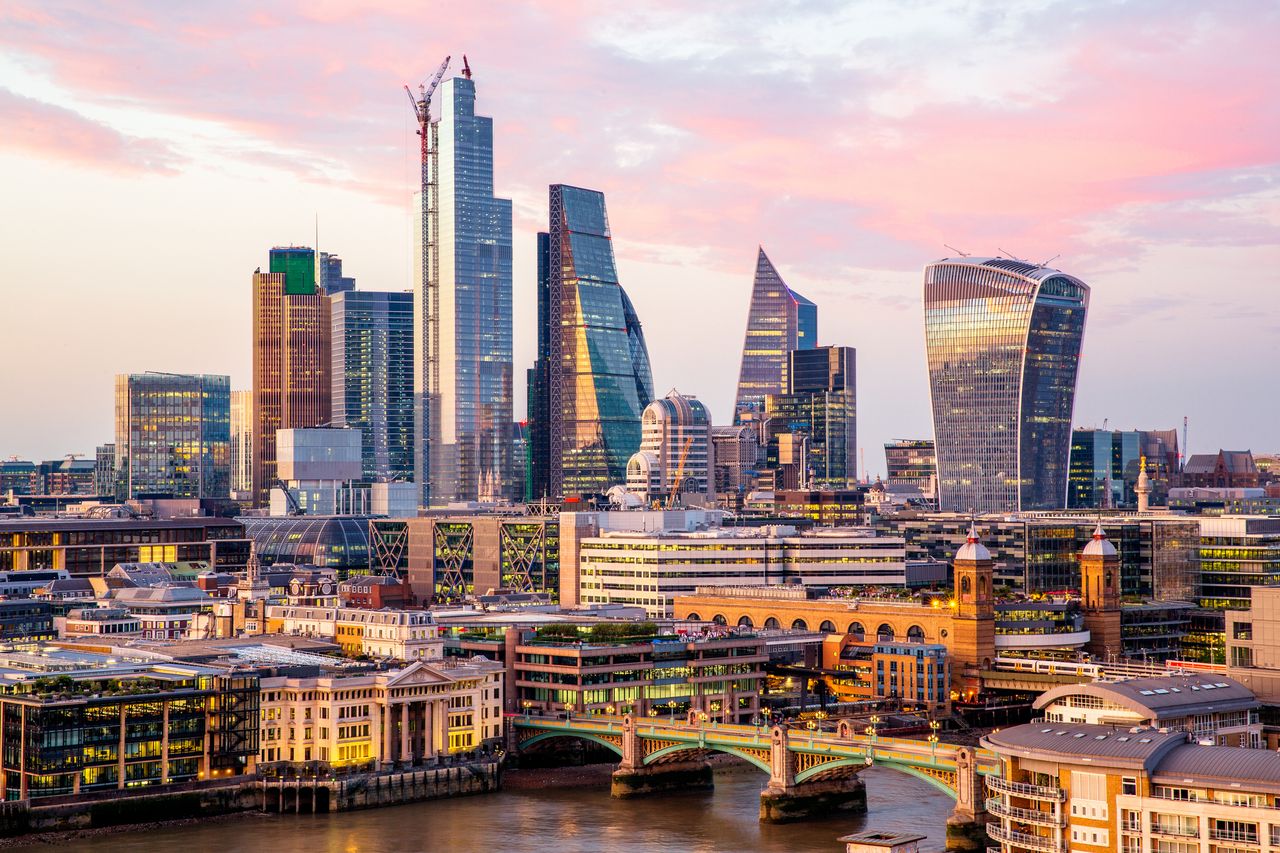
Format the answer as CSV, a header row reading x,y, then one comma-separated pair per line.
x,y
1175,830
1239,835
1052,818
1025,789
1021,839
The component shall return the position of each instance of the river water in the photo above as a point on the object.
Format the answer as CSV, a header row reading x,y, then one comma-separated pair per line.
x,y
558,820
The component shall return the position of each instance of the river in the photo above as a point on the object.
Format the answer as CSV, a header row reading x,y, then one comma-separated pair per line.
x,y
555,819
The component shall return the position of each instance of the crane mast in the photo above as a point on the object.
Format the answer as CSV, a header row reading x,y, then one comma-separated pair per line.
x,y
428,284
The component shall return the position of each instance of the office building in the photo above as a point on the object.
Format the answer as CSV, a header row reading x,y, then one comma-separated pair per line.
x,y
373,378
1237,553
1130,789
450,557
915,672
1252,643
675,455
399,634
820,404
650,568
331,279
599,379
66,476
1003,341
718,674
538,449
86,547
78,722
242,445
462,335
173,435
736,453
104,469
911,462
291,357
1226,469
408,716
338,543
778,321
1106,464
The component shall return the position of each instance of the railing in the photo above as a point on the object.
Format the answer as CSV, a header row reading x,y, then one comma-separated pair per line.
x,y
1034,842
1024,789
1054,818
1175,829
1243,835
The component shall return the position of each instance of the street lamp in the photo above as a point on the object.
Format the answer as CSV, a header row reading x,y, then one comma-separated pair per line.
x,y
933,745
568,710
527,706
672,705
609,710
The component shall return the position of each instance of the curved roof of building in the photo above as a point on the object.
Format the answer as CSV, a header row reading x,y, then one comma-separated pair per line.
x,y
1220,766
1099,545
1162,697
1142,748
334,541
972,549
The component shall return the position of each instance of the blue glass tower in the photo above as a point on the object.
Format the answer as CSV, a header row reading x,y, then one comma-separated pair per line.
x,y
779,321
599,379
1003,340
373,378
462,352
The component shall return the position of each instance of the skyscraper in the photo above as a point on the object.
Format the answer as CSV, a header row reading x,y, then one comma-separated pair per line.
x,y
462,347
779,321
821,404
241,443
373,378
538,450
173,435
675,454
599,379
291,356
1003,341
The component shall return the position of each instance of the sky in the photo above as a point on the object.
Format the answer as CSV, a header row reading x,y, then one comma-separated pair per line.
x,y
152,152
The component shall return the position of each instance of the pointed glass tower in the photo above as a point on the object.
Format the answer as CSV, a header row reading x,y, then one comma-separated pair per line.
x,y
780,320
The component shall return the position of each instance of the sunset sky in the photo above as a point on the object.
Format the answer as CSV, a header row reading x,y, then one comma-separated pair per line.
x,y
151,154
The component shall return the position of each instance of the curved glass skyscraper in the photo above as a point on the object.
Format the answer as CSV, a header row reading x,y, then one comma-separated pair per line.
x,y
599,380
1003,341
779,321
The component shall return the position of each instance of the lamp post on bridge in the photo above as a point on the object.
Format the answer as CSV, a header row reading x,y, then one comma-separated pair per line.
x,y
528,705
934,725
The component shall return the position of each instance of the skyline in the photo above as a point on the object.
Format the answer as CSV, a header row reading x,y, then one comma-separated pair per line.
x,y
1137,143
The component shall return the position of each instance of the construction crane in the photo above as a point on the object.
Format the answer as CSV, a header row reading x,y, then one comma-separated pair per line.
x,y
429,282
294,507
677,485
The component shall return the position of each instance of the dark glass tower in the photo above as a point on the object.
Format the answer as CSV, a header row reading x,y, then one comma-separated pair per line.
x,y
598,375
173,435
1003,340
373,378
779,321
820,405
538,449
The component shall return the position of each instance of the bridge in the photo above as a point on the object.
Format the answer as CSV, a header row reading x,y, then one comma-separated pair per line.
x,y
809,771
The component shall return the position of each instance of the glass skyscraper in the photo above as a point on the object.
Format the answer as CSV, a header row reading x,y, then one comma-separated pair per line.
x,y
373,378
242,443
462,349
598,375
1003,341
779,321
820,405
173,435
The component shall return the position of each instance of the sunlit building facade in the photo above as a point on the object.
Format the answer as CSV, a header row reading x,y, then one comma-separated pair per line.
x,y
173,435
675,454
779,321
820,405
291,356
1003,341
241,443
462,347
599,379
373,378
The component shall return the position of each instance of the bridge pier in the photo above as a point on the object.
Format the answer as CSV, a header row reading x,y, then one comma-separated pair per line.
x,y
786,800
967,825
661,778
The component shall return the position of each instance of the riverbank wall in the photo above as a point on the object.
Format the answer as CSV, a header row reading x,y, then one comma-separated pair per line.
x,y
174,803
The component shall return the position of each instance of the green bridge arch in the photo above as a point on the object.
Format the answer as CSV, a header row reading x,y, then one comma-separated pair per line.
x,y
709,747
538,738
888,764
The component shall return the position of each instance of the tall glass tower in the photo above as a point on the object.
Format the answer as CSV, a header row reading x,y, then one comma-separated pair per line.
x,y
173,435
1003,341
373,378
599,379
462,348
779,321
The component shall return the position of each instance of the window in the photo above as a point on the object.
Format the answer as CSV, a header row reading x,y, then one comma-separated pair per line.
x,y
1129,786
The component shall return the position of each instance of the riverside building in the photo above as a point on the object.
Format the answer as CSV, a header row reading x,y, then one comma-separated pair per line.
x,y
1107,788
1003,340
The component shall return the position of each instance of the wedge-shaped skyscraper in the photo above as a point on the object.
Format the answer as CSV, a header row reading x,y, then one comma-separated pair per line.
x,y
779,321
1003,341
598,380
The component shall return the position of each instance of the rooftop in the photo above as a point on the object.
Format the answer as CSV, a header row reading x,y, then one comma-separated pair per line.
x,y
1082,742
1163,697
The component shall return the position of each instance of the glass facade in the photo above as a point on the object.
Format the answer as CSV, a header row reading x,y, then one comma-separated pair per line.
x,y
822,406
241,442
462,352
173,435
779,321
599,375
373,378
1003,342
909,461
1104,469
291,357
